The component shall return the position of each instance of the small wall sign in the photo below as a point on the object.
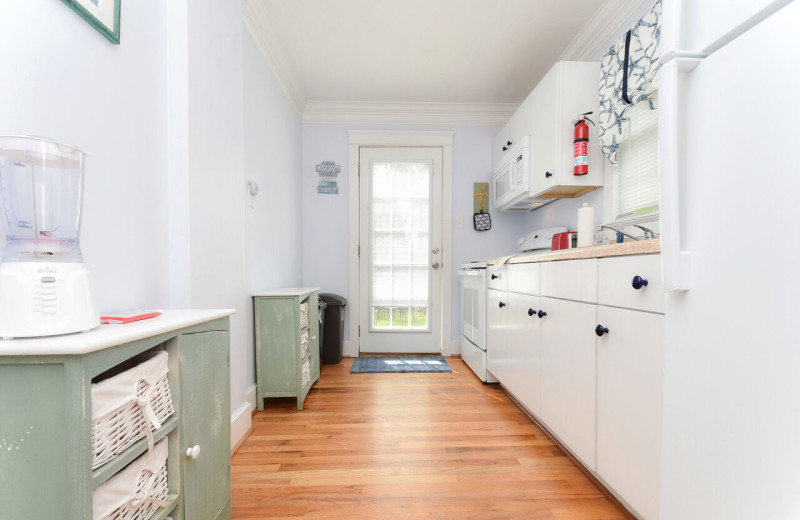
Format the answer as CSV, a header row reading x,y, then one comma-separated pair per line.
x,y
328,172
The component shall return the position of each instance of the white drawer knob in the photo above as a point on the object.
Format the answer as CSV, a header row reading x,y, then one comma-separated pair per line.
x,y
193,452
313,338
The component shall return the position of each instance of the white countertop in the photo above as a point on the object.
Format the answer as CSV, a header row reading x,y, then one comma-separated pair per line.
x,y
110,335
291,291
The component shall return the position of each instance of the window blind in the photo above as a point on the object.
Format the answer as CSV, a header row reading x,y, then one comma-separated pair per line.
x,y
636,177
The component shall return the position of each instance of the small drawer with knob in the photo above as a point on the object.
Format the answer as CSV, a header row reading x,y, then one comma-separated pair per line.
x,y
497,277
633,282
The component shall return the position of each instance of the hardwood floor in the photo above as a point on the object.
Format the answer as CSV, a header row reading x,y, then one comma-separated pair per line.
x,y
406,446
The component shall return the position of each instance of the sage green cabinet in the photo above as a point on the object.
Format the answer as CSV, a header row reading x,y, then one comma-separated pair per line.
x,y
280,359
46,425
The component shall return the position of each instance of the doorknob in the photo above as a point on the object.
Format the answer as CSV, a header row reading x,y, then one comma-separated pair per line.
x,y
193,452
435,251
435,265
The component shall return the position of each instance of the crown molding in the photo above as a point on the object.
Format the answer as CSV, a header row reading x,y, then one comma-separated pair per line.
x,y
602,25
257,18
372,112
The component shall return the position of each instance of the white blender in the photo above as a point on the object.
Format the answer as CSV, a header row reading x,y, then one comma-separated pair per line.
x,y
44,287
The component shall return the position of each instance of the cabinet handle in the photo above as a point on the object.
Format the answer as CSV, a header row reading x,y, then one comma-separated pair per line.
x,y
494,277
600,330
548,175
313,338
505,148
542,314
193,452
508,143
502,305
638,282
531,312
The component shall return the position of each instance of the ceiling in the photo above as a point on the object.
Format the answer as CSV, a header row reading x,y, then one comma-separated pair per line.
x,y
424,53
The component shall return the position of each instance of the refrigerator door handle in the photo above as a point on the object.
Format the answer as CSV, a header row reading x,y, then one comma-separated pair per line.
x,y
675,261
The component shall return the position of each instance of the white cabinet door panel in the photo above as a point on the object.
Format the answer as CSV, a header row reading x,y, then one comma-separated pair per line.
x,y
570,279
630,360
524,345
498,143
616,282
524,278
568,374
498,354
497,277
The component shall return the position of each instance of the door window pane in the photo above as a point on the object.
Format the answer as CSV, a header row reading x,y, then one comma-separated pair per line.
x,y
400,236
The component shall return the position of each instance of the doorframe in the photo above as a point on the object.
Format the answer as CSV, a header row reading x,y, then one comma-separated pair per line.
x,y
399,139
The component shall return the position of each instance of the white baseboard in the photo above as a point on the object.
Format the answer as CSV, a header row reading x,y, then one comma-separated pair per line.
x,y
242,419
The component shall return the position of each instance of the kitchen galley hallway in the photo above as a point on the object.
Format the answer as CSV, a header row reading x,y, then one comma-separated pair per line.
x,y
407,446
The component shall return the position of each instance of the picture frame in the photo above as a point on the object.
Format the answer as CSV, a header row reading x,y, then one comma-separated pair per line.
x,y
103,15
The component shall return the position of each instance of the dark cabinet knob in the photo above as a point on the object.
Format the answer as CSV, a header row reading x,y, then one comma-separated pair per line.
x,y
600,330
502,305
508,143
639,282
494,277
505,148
542,314
531,312
548,174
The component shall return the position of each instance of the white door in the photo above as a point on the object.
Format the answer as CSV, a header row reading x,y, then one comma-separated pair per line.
x,y
400,275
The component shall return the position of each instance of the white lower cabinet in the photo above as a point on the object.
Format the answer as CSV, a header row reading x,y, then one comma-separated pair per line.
x,y
524,346
629,381
497,347
568,363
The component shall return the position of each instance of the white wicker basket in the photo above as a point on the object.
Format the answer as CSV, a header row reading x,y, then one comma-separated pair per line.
x,y
303,344
130,406
305,372
303,315
137,491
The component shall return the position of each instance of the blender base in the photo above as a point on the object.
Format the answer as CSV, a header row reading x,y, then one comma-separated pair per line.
x,y
45,299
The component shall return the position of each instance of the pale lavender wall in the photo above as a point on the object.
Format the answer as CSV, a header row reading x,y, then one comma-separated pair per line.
x,y
272,158
62,79
325,217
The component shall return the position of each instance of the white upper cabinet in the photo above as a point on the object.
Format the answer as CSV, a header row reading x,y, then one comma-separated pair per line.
x,y
568,90
500,145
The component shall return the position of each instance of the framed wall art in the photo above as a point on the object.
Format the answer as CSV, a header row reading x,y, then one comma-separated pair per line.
x,y
103,15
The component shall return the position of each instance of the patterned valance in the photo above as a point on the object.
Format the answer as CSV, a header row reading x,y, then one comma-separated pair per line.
x,y
629,76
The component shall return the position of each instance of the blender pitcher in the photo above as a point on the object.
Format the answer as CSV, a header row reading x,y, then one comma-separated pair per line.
x,y
44,287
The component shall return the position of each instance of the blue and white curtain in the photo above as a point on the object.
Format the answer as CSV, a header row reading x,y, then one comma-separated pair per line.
x,y
629,77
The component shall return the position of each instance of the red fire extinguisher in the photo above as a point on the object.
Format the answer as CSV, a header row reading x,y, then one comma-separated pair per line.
x,y
580,157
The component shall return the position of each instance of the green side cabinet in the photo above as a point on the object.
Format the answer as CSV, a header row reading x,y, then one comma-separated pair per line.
x,y
46,424
287,345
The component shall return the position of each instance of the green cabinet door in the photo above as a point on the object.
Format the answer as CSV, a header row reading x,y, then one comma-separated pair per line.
x,y
205,422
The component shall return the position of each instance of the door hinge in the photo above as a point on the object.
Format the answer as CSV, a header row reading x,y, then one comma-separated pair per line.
x,y
359,250
359,331
359,170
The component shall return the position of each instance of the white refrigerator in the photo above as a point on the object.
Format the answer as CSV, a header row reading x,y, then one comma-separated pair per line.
x,y
729,138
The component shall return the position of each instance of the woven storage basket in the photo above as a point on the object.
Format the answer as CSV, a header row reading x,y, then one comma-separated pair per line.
x,y
303,315
303,344
137,491
305,372
129,406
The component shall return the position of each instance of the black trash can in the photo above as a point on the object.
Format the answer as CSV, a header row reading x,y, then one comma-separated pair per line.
x,y
333,338
321,305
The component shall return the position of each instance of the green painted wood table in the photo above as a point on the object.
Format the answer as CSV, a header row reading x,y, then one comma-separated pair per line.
x,y
285,367
46,425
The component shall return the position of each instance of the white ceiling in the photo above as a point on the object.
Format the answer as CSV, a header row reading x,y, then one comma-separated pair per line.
x,y
420,51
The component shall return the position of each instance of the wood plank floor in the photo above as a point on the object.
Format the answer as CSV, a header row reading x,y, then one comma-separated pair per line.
x,y
406,446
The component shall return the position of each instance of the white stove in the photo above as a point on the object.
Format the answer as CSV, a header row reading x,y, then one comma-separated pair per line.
x,y
473,319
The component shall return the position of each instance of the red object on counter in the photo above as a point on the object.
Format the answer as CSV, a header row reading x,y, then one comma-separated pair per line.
x,y
566,240
127,317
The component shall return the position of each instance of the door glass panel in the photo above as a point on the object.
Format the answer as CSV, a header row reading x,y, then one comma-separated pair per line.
x,y
401,244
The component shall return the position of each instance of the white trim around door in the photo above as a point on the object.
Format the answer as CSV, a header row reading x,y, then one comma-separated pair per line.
x,y
367,138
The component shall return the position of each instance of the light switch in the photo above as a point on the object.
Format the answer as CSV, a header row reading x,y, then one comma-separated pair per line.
x,y
459,222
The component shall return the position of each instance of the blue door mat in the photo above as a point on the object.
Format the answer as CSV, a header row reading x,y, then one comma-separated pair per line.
x,y
399,364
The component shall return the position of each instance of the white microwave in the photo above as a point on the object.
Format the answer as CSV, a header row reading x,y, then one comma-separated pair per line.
x,y
511,180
